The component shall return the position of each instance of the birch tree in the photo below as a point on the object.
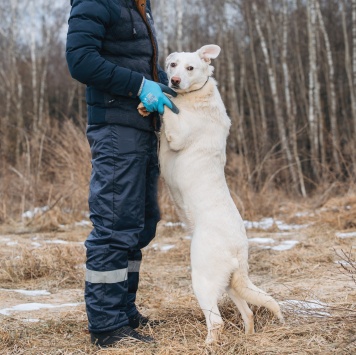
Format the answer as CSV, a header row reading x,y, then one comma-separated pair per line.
x,y
277,109
349,73
331,90
290,113
312,116
257,81
179,25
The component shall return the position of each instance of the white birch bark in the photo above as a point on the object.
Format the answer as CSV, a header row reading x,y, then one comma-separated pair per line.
x,y
179,25
348,65
33,50
273,86
47,33
290,113
298,53
321,151
313,124
331,90
233,103
261,100
165,31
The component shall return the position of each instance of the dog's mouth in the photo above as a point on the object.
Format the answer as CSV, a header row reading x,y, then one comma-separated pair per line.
x,y
173,86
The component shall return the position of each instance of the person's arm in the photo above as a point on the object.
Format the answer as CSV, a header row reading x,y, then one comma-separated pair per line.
x,y
87,26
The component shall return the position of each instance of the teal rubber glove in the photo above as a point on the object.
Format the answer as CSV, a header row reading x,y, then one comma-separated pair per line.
x,y
153,98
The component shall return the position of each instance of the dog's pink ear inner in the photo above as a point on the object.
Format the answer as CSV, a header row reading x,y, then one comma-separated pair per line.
x,y
208,52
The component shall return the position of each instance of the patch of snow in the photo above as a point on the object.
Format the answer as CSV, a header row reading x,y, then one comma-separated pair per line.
x,y
267,223
284,234
10,244
5,239
86,214
285,245
83,223
31,320
36,245
32,213
304,214
346,235
342,262
261,240
174,224
28,292
264,223
306,307
56,241
25,307
167,247
287,227
188,237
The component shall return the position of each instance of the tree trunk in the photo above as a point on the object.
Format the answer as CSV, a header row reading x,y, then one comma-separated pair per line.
x,y
264,130
179,25
277,108
34,67
290,113
165,31
349,73
312,116
331,91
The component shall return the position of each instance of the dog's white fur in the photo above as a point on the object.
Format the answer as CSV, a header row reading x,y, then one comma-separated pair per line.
x,y
192,159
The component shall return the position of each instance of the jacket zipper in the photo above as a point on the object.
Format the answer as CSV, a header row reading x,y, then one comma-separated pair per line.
x,y
142,12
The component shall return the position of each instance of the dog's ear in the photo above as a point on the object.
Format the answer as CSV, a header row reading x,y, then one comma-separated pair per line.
x,y
208,52
170,58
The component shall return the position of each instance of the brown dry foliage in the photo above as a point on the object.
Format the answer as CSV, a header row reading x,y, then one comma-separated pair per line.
x,y
54,172
60,263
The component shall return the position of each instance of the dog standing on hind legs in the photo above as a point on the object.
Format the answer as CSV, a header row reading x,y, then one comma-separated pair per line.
x,y
192,159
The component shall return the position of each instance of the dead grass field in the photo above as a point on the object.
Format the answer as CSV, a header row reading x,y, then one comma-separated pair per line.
x,y
310,271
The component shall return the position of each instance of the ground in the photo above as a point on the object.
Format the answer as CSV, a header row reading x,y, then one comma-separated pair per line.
x,y
301,258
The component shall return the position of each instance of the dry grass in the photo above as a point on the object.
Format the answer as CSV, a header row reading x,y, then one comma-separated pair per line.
x,y
54,171
59,263
307,272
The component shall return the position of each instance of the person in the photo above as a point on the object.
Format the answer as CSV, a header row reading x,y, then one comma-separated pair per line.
x,y
112,48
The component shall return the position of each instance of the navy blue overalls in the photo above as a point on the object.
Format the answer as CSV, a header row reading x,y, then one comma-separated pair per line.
x,y
111,47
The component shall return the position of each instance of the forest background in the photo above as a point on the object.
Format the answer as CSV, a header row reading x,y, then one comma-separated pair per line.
x,y
287,74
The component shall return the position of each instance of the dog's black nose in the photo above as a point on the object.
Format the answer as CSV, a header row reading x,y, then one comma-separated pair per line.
x,y
175,80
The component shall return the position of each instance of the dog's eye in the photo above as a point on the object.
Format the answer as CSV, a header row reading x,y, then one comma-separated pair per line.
x,y
173,65
190,68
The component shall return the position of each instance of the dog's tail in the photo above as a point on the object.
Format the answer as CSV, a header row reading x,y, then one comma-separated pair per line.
x,y
252,294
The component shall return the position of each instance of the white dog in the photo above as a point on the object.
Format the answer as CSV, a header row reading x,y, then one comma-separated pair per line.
x,y
192,159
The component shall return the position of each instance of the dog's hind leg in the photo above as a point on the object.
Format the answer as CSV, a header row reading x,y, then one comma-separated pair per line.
x,y
244,309
206,291
206,288
243,286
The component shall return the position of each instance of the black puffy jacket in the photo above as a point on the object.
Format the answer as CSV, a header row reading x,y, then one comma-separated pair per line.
x,y
111,46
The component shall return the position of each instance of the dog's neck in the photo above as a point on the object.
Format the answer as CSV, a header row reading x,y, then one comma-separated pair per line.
x,y
204,90
201,86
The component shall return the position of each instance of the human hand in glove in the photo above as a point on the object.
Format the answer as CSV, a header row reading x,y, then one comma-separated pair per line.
x,y
153,98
